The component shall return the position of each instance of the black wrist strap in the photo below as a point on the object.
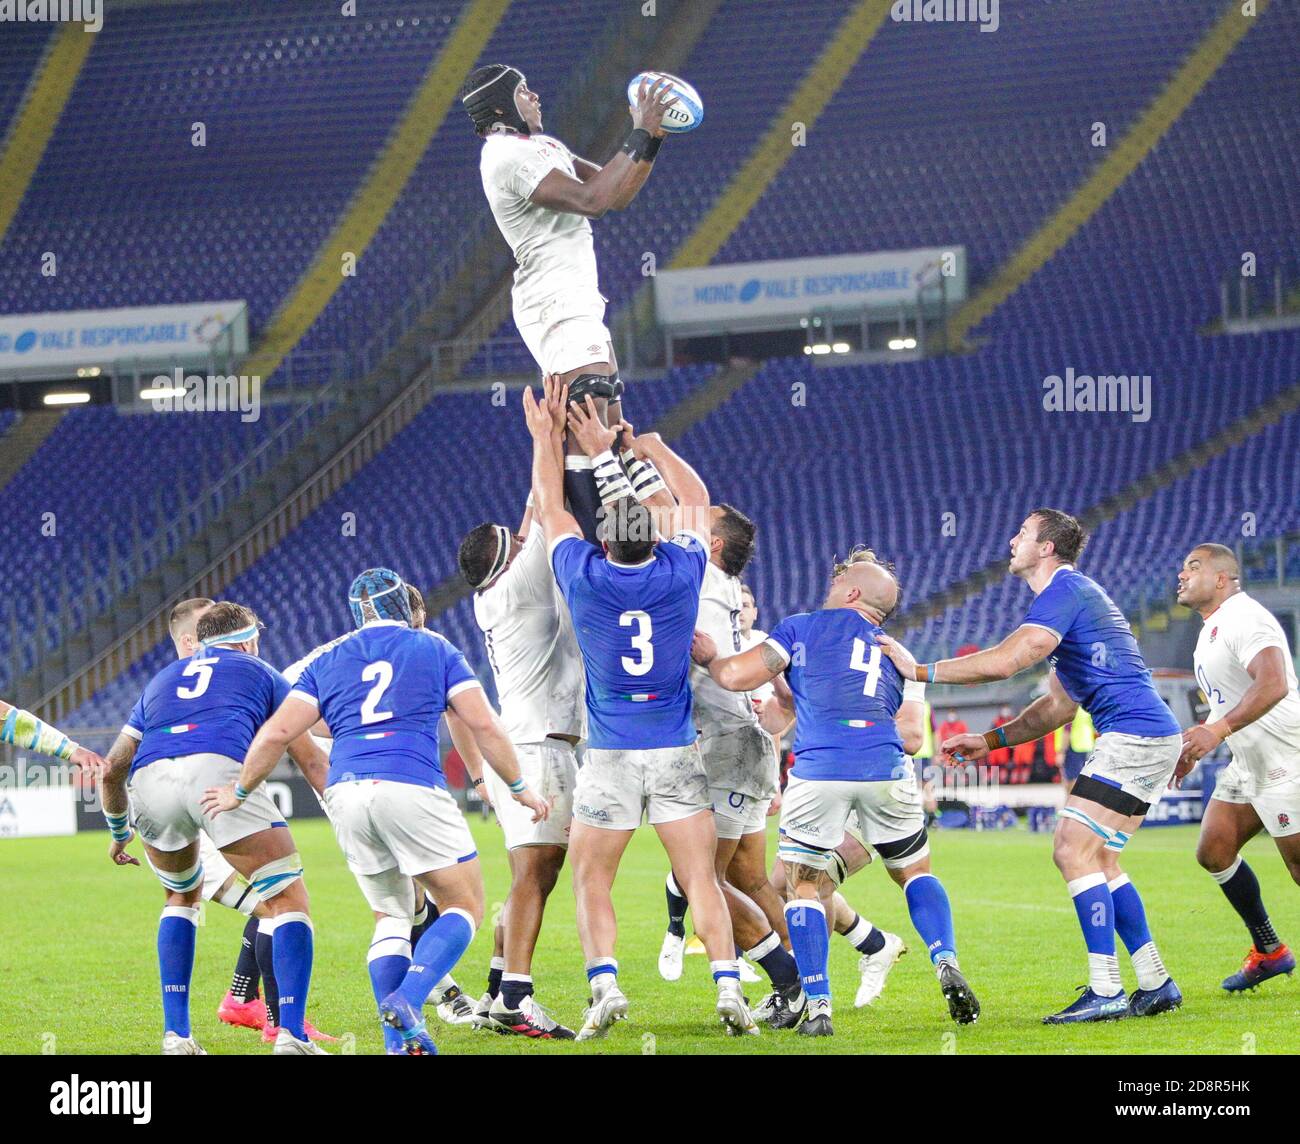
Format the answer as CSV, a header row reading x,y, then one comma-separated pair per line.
x,y
641,145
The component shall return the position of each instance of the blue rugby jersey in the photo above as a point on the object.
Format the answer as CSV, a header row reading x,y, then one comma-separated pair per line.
x,y
634,625
211,703
1098,661
382,691
846,694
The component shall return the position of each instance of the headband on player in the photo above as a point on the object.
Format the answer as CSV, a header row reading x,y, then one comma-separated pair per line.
x,y
493,101
379,594
500,559
241,636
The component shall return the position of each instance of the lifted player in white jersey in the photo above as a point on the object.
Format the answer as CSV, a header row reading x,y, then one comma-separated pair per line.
x,y
542,195
451,1004
1245,670
538,671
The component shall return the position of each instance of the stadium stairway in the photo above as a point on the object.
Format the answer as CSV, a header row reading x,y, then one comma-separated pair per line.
x,y
1119,163
375,410
910,620
38,114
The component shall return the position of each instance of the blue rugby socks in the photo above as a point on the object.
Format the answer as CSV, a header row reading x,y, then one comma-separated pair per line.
x,y
1096,911
177,932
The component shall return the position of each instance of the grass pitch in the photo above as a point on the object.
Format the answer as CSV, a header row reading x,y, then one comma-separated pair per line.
x,y
78,953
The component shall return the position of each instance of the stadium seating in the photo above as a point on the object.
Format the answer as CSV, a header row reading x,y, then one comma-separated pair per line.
x,y
940,134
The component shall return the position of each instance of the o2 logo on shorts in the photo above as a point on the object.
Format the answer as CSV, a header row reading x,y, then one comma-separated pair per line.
x,y
736,801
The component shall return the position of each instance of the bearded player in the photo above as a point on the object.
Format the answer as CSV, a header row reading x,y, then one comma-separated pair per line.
x,y
542,195
1244,667
1074,625
848,759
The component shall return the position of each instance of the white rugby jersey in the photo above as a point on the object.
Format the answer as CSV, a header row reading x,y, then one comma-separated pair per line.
x,y
553,249
1237,631
716,708
532,648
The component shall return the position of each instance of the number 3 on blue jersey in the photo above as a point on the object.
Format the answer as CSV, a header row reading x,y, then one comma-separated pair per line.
x,y
871,666
382,672
640,642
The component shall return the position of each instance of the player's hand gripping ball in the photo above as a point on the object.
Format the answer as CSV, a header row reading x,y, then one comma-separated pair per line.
x,y
686,114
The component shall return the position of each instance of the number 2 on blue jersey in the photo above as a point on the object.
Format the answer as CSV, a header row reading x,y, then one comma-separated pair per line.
x,y
871,666
382,672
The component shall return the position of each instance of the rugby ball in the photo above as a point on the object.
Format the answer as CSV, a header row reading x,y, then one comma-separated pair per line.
x,y
684,115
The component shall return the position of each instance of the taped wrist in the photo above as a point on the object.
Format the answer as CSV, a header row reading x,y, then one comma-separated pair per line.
x,y
118,826
611,482
995,739
645,478
641,145
23,729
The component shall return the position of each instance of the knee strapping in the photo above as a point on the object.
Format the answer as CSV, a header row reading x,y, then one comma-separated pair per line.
x,y
239,895
277,875
794,853
181,881
904,852
1114,839
593,384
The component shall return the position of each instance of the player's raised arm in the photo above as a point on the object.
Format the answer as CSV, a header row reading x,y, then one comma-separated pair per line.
x,y
548,464
683,483
1026,646
615,185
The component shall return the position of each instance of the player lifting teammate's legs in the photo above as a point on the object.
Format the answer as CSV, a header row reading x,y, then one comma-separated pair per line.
x,y
1095,656
633,602
1244,668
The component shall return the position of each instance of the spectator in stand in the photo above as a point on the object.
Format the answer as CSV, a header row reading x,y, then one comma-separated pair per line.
x,y
1001,757
952,726
1022,760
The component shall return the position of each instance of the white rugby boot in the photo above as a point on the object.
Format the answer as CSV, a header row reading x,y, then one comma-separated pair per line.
x,y
734,1012
287,1045
174,1045
670,957
874,969
601,1014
